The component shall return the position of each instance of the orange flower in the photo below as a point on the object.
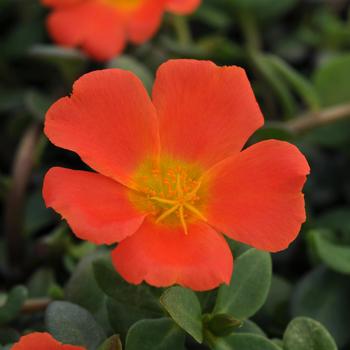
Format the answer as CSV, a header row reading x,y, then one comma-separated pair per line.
x,y
102,27
42,341
171,173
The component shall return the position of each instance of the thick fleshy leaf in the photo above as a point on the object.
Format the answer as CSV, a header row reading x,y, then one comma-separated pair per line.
x,y
184,308
143,24
160,334
334,254
164,255
220,325
243,342
307,334
126,303
109,121
13,304
256,197
249,285
250,327
83,290
102,38
112,343
71,324
324,296
206,112
182,6
96,207
42,341
110,282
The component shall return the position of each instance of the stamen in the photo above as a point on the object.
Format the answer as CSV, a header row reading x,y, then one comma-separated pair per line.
x,y
182,219
167,213
164,201
195,190
178,186
195,211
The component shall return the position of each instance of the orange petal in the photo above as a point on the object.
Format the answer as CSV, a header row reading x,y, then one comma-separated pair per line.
x,y
96,207
182,6
143,24
42,341
163,256
256,198
109,121
206,112
95,27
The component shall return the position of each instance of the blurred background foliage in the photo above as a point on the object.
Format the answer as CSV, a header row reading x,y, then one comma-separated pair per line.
x,y
297,55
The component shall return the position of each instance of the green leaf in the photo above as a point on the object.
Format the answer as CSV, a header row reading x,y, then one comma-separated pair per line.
x,y
13,304
278,342
113,285
122,316
82,289
337,219
184,308
71,324
36,214
306,334
249,326
37,104
131,64
69,61
335,70
300,84
112,343
40,283
243,342
324,296
264,9
335,256
126,303
278,85
275,314
221,325
8,335
249,285
160,334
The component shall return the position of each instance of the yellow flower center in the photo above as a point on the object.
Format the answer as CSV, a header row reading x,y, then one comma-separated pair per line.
x,y
172,192
124,5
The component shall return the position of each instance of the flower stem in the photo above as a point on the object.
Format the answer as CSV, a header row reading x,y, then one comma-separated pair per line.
x,y
312,120
182,30
21,173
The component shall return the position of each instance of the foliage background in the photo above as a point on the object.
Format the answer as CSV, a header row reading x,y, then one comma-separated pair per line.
x,y
297,55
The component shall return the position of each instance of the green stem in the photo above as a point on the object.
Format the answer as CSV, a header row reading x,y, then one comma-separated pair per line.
x,y
182,29
313,120
302,87
253,45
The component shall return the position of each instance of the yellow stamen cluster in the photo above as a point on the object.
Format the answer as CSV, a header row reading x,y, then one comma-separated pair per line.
x,y
183,201
173,193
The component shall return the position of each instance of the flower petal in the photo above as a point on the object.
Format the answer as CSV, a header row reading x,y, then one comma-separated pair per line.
x,y
182,7
96,207
42,341
143,24
206,112
109,121
101,38
256,198
163,256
